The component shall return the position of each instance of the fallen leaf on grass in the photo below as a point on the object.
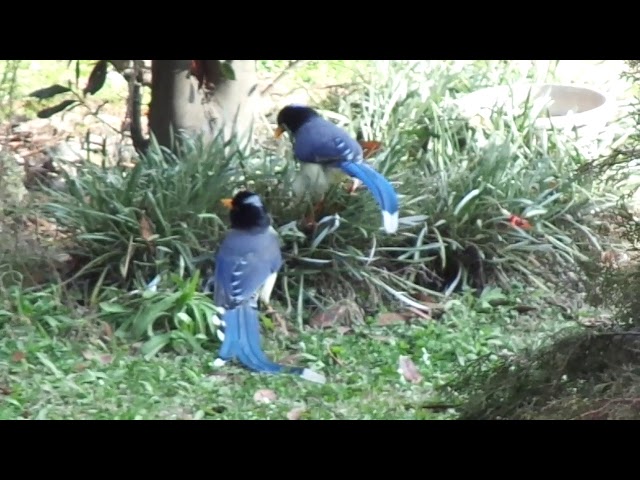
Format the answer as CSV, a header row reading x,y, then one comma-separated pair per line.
x,y
18,356
5,390
409,370
87,355
391,318
105,359
107,331
344,312
80,367
292,359
295,413
420,314
342,330
425,298
265,396
218,376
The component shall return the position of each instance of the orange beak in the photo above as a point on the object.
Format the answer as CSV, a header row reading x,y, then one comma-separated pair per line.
x,y
278,132
227,202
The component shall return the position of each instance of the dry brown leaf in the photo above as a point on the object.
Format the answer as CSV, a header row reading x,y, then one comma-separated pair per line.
x,y
409,370
391,318
146,229
88,355
613,259
80,367
345,312
419,314
293,358
5,390
105,359
18,356
295,413
107,331
425,298
342,330
264,396
322,320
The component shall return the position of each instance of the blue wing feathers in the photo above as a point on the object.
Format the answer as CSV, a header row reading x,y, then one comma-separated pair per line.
x,y
321,141
243,264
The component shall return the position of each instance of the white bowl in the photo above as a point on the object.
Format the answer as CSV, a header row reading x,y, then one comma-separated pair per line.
x,y
561,106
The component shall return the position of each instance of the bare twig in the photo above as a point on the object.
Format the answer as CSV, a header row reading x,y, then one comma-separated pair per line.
x,y
95,113
293,64
418,313
632,401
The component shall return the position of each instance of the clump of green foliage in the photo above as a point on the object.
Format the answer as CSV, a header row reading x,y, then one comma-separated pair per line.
x,y
585,373
458,182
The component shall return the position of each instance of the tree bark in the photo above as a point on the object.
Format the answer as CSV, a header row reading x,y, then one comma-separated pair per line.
x,y
176,101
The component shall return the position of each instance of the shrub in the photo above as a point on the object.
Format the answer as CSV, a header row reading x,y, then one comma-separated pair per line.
x,y
459,183
136,222
176,313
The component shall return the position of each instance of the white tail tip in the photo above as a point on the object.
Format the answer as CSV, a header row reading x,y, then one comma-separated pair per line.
x,y
390,222
218,362
314,377
220,335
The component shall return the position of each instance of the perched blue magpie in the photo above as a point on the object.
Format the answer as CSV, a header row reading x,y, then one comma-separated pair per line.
x,y
246,268
325,150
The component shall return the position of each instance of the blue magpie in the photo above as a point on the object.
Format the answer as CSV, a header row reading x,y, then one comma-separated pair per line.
x,y
325,150
246,268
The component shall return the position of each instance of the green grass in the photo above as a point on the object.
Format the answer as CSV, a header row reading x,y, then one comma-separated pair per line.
x,y
79,371
86,349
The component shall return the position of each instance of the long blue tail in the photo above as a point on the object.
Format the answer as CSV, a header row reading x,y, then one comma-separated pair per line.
x,y
383,192
242,342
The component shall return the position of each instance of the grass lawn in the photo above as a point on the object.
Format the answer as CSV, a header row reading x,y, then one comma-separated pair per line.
x,y
86,373
61,361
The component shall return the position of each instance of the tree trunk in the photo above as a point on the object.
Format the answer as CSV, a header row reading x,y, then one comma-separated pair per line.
x,y
177,101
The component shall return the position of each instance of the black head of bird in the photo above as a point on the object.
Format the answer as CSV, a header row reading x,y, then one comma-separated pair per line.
x,y
246,211
292,117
